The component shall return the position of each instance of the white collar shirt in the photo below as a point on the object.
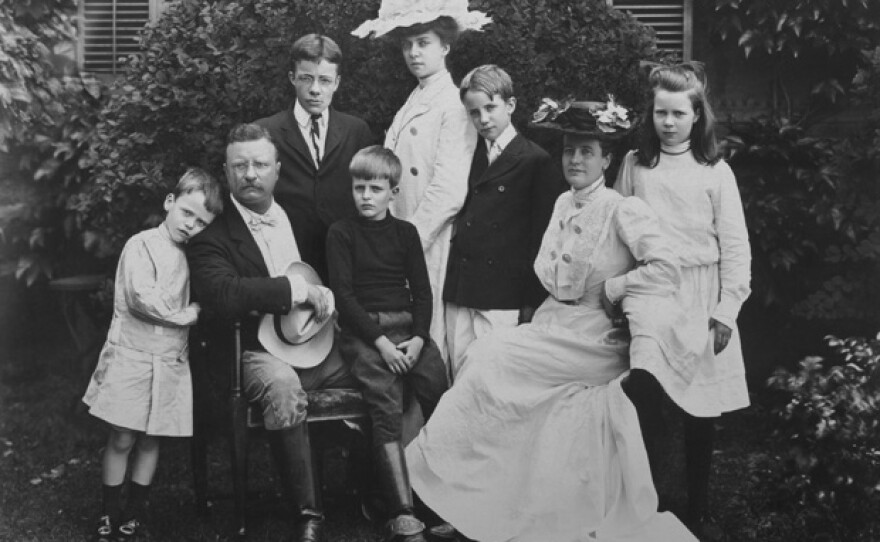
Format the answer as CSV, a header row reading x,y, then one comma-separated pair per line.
x,y
304,121
495,148
276,243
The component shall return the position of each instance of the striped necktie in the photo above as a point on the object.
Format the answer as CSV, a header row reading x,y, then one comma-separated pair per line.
x,y
316,137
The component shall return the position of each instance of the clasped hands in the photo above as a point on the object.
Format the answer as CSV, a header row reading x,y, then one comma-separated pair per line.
x,y
400,358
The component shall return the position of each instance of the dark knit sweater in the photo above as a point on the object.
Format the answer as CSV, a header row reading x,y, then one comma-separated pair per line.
x,y
378,266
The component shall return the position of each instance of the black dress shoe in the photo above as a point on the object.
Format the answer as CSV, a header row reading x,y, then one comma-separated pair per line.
x,y
309,529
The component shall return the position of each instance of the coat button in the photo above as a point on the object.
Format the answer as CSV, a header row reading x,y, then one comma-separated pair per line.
x,y
490,261
577,230
476,191
501,188
552,254
494,225
566,258
577,205
468,223
414,170
413,130
561,225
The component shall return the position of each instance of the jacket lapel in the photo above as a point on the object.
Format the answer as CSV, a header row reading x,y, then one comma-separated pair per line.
x,y
294,139
241,236
334,135
506,161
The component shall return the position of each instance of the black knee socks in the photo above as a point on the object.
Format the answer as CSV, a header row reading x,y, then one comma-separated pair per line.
x,y
137,500
111,501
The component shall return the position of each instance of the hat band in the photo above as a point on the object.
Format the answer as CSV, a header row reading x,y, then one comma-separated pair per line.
x,y
280,333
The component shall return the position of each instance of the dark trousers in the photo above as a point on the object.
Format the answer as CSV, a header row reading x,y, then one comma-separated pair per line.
x,y
384,391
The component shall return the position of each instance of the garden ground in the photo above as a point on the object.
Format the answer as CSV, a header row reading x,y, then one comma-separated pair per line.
x,y
50,453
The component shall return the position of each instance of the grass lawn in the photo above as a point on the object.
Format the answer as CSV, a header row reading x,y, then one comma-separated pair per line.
x,y
50,454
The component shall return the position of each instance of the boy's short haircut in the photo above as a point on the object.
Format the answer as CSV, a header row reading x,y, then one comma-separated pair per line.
x,y
375,162
315,48
198,180
488,79
445,27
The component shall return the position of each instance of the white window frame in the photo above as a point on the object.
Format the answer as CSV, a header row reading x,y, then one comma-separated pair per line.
x,y
687,7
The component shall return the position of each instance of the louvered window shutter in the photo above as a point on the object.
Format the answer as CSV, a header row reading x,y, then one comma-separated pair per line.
x,y
672,20
109,30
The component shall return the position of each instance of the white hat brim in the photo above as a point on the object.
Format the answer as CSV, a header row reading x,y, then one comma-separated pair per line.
x,y
468,20
302,356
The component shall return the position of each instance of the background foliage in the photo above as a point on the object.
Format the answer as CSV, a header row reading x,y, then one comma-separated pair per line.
x,y
812,202
830,431
206,66
45,125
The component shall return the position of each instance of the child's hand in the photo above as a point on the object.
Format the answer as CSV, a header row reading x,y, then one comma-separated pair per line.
x,y
195,307
394,358
720,333
412,348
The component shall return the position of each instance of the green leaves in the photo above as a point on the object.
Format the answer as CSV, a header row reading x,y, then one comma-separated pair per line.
x,y
830,429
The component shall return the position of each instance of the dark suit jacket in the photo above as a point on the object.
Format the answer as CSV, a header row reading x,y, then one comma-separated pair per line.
x,y
230,280
316,198
498,232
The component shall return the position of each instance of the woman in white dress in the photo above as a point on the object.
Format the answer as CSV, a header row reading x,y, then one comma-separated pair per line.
x,y
537,441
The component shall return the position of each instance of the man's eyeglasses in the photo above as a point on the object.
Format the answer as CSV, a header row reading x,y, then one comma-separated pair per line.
x,y
242,167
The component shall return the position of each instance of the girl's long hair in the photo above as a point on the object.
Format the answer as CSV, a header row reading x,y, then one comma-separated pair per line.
x,y
687,77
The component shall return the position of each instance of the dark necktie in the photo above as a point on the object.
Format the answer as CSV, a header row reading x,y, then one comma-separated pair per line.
x,y
316,136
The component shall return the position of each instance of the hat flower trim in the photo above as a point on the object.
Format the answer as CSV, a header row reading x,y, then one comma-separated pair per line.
x,y
611,116
550,109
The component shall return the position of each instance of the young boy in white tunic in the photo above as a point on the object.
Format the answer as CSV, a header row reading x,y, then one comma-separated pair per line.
x,y
142,385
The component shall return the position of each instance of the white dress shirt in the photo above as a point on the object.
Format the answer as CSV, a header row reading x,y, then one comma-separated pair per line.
x,y
276,244
495,148
304,120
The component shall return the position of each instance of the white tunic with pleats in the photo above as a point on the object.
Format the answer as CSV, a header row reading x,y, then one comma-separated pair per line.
x,y
536,441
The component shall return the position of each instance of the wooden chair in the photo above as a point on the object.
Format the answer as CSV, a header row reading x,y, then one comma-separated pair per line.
x,y
324,405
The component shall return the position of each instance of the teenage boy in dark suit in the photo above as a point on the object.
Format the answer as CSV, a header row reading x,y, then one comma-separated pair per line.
x,y
315,145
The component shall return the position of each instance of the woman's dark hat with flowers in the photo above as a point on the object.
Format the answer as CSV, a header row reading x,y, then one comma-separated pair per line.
x,y
601,120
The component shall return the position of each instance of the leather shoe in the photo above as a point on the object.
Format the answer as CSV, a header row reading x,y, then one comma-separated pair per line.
x,y
309,529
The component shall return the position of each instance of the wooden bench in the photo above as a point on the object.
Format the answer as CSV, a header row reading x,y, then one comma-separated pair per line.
x,y
324,405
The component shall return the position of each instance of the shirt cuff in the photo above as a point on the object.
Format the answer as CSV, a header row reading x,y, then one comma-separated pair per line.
x,y
726,312
299,289
615,288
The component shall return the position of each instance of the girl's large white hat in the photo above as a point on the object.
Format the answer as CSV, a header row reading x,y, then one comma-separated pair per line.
x,y
402,13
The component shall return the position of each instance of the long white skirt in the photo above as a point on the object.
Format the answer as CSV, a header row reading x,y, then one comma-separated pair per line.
x,y
536,441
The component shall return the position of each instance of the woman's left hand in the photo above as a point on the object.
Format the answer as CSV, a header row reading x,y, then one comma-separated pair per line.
x,y
613,310
721,334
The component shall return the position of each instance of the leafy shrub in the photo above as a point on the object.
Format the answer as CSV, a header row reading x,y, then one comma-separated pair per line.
x,y
813,211
830,431
208,65
46,122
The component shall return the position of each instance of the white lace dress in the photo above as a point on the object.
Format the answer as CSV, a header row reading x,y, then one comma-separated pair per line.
x,y
536,441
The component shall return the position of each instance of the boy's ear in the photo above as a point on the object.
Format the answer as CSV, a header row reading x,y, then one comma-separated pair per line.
x,y
511,105
169,201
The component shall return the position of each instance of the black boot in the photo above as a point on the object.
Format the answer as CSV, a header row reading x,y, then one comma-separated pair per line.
x,y
391,466
646,395
294,455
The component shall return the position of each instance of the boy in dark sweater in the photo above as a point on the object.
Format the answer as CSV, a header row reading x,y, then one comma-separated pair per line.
x,y
380,280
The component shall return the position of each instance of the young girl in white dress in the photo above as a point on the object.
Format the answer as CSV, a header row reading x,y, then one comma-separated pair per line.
x,y
142,385
677,170
431,133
